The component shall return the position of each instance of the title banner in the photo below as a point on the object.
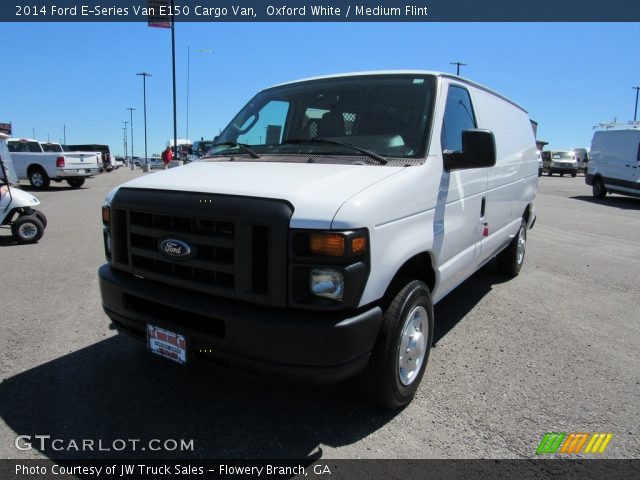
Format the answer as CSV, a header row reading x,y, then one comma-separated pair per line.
x,y
321,11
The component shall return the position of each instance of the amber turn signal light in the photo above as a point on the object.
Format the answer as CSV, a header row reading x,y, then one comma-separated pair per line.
x,y
358,245
106,215
330,244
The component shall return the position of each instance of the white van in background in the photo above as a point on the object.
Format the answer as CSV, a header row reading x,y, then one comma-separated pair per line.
x,y
314,239
614,164
582,159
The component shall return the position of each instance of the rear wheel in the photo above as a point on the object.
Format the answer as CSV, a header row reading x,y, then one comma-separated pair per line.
x,y
549,173
27,229
599,190
510,260
400,355
38,178
75,182
573,175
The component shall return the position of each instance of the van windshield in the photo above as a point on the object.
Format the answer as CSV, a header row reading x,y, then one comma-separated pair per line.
x,y
563,155
388,115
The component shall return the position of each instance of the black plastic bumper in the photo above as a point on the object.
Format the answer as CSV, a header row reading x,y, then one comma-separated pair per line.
x,y
311,346
569,171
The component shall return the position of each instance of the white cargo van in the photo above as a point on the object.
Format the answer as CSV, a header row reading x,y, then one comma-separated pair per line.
x,y
314,239
614,164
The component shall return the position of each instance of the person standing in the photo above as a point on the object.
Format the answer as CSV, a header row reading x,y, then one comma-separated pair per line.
x,y
167,156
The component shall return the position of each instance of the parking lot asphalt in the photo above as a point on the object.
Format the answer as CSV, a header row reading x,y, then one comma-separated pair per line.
x,y
553,350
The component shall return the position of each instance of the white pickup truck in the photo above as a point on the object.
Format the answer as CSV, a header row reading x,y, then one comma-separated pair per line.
x,y
49,147
39,167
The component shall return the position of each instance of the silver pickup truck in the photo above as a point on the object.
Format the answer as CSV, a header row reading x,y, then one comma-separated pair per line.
x,y
40,168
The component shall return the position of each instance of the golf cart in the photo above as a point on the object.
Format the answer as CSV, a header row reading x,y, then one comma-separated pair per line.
x,y
16,206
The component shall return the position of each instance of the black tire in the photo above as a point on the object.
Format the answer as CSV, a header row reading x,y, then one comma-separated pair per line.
x,y
38,178
549,173
573,175
561,174
41,216
382,383
27,229
75,182
598,189
511,259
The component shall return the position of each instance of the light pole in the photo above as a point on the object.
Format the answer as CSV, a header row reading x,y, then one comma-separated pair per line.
x,y
144,93
458,65
125,140
131,109
635,113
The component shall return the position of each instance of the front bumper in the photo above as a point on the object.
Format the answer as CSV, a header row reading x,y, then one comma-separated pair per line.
x,y
320,347
563,169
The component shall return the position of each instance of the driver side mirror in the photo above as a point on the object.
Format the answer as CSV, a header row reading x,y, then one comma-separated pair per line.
x,y
478,151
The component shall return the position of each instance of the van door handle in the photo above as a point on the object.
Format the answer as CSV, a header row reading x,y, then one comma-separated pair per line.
x,y
483,204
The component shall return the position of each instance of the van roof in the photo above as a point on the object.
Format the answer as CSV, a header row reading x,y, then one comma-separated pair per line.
x,y
635,125
406,72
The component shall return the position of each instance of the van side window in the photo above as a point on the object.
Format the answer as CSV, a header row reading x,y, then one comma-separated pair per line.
x,y
458,116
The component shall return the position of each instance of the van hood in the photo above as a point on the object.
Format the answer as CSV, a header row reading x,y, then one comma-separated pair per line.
x,y
316,191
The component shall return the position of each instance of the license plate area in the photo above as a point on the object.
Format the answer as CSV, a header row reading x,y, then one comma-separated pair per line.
x,y
167,344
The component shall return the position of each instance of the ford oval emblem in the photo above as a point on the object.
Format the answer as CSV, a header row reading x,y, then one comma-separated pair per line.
x,y
175,248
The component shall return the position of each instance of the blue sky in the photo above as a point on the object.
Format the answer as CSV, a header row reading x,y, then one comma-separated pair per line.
x,y
83,75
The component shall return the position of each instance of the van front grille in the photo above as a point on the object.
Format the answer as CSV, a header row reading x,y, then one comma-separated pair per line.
x,y
237,245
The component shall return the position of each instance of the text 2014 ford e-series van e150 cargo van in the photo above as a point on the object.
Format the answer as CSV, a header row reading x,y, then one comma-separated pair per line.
x,y
314,239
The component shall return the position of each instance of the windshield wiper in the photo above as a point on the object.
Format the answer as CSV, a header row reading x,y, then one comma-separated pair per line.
x,y
245,148
327,141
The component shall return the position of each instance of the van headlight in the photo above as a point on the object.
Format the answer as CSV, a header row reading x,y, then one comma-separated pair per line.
x,y
326,283
328,269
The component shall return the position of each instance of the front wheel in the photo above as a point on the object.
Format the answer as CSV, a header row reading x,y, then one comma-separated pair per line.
x,y
510,260
41,216
573,175
75,182
27,229
400,354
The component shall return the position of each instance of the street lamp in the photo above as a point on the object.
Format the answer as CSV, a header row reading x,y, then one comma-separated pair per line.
x,y
125,139
635,113
458,65
144,93
131,109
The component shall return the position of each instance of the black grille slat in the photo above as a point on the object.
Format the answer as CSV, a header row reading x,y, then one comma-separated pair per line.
x,y
203,239
155,272
203,265
260,271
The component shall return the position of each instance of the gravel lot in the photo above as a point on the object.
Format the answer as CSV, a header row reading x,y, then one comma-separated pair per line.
x,y
555,349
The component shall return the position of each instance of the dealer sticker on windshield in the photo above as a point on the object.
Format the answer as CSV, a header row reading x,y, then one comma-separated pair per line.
x,y
167,344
